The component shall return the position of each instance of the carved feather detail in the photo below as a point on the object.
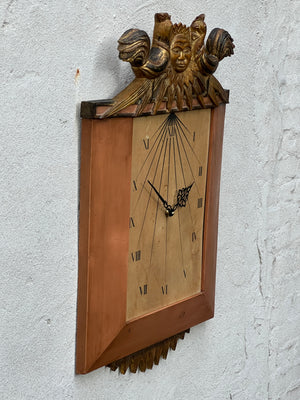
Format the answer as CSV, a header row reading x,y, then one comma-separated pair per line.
x,y
146,358
134,47
220,43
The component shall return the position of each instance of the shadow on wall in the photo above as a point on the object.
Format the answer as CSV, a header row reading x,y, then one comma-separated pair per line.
x,y
109,68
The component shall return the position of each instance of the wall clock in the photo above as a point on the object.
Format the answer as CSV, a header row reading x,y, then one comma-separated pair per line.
x,y
149,189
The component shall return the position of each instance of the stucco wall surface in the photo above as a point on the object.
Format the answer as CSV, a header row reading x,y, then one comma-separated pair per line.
x,y
251,349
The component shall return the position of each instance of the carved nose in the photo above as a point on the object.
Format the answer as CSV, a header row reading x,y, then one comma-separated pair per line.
x,y
181,56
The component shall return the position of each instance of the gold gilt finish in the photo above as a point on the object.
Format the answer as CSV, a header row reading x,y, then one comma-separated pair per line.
x,y
177,69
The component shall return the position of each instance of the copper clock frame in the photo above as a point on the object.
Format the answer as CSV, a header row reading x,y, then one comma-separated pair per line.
x,y
103,334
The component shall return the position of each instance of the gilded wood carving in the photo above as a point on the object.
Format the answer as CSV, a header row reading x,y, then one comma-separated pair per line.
x,y
177,68
145,275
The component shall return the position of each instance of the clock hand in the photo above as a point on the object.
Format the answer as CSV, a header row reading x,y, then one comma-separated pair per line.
x,y
165,204
182,196
169,209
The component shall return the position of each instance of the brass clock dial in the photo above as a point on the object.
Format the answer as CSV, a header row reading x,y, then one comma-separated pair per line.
x,y
169,159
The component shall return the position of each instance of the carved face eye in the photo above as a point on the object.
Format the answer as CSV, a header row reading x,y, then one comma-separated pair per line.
x,y
176,50
185,50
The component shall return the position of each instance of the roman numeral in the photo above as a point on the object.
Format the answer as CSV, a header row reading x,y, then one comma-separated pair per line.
x,y
200,171
194,236
200,202
184,273
134,185
143,290
131,223
146,143
136,256
164,289
194,136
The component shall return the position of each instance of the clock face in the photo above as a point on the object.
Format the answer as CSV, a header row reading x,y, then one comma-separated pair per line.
x,y
169,165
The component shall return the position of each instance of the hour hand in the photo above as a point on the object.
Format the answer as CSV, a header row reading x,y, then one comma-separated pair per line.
x,y
165,204
182,196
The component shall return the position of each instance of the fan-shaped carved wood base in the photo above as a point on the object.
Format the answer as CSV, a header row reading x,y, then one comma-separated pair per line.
x,y
144,359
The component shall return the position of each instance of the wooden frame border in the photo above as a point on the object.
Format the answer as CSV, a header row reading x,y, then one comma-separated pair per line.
x,y
103,335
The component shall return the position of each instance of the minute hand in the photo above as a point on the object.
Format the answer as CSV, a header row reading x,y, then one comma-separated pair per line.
x,y
159,195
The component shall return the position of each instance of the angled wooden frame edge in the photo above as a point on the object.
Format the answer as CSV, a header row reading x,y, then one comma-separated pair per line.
x,y
83,244
211,213
160,324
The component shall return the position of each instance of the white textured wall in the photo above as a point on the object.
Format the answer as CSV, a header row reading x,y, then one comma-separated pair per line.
x,y
251,349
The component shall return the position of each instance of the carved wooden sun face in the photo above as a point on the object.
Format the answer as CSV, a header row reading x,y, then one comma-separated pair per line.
x,y
180,53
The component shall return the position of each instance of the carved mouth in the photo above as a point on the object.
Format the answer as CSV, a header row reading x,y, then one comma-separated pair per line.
x,y
181,65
